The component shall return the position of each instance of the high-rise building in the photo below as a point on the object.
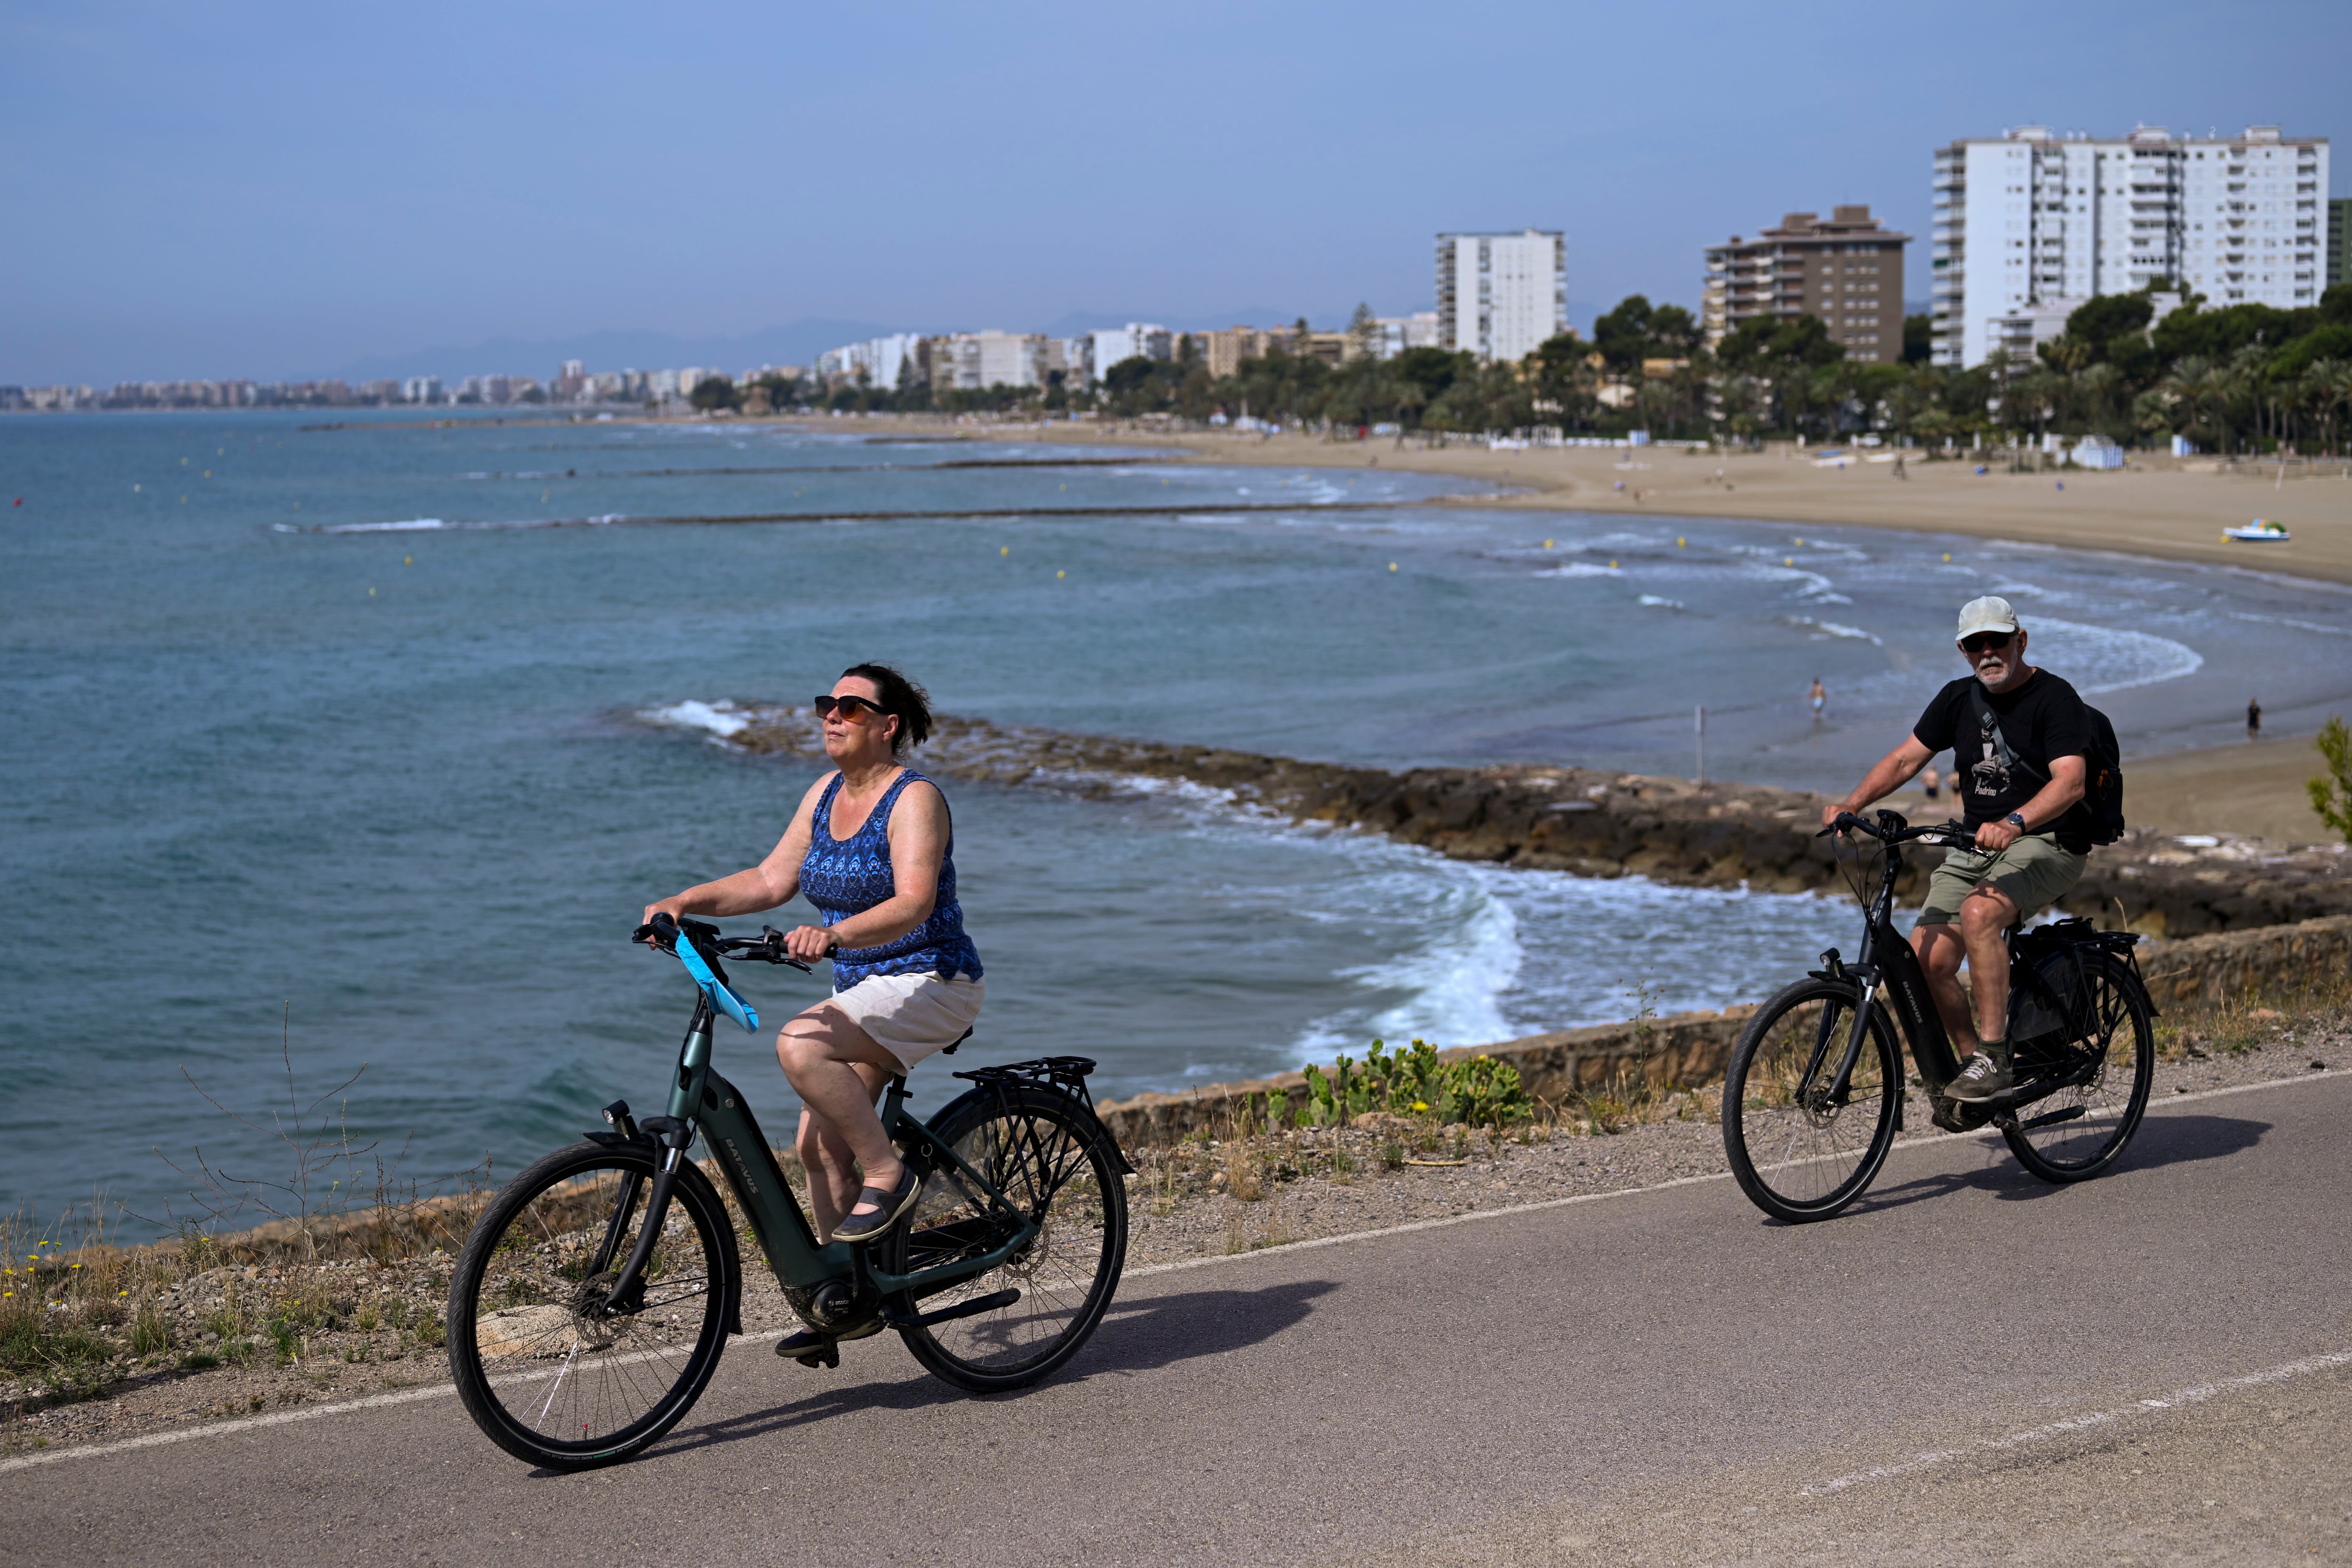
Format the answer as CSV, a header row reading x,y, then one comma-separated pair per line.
x,y
1845,270
1501,296
2032,217
2339,241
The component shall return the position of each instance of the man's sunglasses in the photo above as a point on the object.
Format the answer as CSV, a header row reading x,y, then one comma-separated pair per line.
x,y
1985,642
847,706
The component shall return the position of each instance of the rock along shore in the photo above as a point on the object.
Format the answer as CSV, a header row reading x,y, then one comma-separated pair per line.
x,y
1605,824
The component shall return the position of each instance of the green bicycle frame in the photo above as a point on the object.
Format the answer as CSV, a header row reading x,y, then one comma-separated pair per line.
x,y
700,1096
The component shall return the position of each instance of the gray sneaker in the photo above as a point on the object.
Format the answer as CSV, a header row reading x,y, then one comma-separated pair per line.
x,y
1983,1075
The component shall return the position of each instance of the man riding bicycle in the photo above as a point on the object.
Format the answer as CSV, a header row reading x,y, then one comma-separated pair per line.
x,y
2020,737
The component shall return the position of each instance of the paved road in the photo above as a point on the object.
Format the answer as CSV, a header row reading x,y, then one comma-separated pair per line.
x,y
1959,1371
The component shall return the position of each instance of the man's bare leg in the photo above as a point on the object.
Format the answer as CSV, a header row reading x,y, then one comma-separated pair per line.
x,y
1985,919
1941,949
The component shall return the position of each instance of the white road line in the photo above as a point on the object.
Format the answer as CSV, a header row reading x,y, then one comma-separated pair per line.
x,y
276,1418
2196,1394
405,1396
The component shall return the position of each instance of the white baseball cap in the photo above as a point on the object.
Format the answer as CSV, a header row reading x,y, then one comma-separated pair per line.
x,y
1989,613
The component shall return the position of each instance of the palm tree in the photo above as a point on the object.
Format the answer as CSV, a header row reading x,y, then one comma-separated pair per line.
x,y
2249,370
2095,390
2327,387
2197,385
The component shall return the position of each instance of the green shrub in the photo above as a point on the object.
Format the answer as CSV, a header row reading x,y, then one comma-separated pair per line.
x,y
2331,794
1478,1090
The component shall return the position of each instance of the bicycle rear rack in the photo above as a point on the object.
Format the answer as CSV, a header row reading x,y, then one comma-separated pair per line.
x,y
1063,1074
1068,1074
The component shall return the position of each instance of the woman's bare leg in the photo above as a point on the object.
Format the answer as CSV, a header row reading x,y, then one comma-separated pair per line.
x,y
837,1069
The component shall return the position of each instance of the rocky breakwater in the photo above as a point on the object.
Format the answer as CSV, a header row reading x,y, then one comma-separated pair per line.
x,y
1593,823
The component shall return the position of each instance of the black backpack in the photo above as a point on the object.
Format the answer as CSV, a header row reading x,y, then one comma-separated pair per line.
x,y
2103,768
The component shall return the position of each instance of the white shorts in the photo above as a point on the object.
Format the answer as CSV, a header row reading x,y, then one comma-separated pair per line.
x,y
912,1016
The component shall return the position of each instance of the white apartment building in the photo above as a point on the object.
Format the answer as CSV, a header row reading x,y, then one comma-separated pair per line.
x,y
970,360
421,389
1501,296
1136,340
2033,216
877,363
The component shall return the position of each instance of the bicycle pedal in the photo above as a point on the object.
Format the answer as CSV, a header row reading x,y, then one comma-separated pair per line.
x,y
827,1356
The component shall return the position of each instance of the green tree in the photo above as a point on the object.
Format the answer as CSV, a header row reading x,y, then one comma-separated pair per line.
x,y
713,392
2331,793
1623,336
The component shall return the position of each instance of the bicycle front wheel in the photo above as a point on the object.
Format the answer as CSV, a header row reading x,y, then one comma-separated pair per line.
x,y
1801,1146
546,1372
2080,1130
1054,1162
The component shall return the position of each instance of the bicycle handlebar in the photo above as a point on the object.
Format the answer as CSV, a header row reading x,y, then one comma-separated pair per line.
x,y
768,947
1891,830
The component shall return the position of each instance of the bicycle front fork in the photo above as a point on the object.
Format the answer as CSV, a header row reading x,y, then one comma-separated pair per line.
x,y
628,1289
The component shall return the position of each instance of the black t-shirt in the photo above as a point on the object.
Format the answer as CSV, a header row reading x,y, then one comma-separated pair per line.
x,y
2040,720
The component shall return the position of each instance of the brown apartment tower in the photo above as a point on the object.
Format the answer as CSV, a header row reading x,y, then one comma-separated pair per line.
x,y
1847,270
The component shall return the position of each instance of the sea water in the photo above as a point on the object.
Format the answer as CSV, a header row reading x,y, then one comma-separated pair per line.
x,y
366,745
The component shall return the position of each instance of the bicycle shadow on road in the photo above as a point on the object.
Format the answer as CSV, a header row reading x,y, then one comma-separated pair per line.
x,y
1139,1336
2160,1142
1161,1331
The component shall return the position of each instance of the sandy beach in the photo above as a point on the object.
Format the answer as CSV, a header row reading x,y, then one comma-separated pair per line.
x,y
2161,507
2170,508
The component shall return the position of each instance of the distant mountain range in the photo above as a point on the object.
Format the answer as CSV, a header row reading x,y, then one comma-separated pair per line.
x,y
797,343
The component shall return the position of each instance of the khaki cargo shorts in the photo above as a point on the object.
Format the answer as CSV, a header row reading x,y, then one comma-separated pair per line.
x,y
2034,872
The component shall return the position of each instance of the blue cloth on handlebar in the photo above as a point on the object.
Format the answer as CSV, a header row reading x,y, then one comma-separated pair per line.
x,y
722,998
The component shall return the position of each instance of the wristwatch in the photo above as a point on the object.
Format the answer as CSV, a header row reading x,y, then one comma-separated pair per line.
x,y
2016,819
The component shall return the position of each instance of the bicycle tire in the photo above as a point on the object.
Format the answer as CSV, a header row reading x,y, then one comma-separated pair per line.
x,y
1797,1162
1049,1154
518,1298
2092,1141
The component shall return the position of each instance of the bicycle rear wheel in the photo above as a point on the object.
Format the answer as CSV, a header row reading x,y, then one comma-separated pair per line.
x,y
1800,1152
2080,1130
1053,1161
544,1370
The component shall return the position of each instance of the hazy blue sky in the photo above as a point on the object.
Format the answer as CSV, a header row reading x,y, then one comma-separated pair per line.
x,y
273,190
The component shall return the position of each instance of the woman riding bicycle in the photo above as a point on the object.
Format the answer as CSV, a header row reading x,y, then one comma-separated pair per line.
x,y
873,848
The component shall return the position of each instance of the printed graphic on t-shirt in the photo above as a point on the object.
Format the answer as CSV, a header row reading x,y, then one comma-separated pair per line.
x,y
1990,776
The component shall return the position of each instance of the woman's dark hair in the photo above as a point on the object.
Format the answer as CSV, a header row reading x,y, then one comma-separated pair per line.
x,y
899,696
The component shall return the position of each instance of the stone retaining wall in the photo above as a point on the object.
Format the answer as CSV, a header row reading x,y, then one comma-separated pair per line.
x,y
1689,1048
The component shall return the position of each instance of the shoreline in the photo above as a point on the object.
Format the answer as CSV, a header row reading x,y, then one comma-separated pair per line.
x,y
2165,508
2158,508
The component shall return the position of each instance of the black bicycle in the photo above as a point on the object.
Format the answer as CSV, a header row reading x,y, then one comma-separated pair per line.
x,y
589,1309
1815,1093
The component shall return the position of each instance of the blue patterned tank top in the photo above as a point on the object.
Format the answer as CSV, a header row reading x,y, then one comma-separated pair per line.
x,y
853,875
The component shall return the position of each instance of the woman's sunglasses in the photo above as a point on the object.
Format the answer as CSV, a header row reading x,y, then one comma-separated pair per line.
x,y
847,706
1985,642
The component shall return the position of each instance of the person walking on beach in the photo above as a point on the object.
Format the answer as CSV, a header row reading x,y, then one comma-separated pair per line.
x,y
1930,782
2020,738
2253,719
872,847
1819,696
